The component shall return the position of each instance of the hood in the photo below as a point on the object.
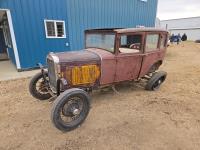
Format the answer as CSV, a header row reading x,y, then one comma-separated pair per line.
x,y
76,56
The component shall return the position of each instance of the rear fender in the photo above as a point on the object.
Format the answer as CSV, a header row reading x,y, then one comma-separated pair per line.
x,y
155,66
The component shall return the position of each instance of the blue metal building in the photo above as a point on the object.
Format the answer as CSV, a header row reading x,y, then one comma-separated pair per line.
x,y
33,28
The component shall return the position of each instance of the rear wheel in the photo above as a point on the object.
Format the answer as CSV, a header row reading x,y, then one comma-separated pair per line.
x,y
70,109
38,88
156,80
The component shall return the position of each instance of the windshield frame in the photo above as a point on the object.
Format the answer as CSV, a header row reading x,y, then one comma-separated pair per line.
x,y
102,32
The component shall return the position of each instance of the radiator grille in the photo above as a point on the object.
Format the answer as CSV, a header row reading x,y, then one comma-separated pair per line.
x,y
51,73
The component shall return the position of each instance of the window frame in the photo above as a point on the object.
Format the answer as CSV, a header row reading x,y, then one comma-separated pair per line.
x,y
55,28
165,41
127,34
105,32
7,35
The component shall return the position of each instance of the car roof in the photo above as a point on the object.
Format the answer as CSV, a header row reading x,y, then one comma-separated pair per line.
x,y
127,30
140,30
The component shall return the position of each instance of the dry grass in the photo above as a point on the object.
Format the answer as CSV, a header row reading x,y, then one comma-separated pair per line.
x,y
168,119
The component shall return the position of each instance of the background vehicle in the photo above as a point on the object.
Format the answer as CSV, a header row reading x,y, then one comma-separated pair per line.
x,y
111,56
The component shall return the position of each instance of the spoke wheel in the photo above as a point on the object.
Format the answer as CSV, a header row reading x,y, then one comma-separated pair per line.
x,y
38,88
41,86
70,109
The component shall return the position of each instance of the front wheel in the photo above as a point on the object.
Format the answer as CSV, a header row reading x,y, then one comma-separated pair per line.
x,y
156,80
38,87
70,109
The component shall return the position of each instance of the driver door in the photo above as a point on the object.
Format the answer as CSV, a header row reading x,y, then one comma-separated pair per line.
x,y
129,56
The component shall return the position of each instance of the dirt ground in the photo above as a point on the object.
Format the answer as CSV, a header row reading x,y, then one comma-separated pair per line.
x,y
168,119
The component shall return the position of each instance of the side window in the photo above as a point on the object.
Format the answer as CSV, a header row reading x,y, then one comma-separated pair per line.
x,y
130,43
152,42
163,41
55,29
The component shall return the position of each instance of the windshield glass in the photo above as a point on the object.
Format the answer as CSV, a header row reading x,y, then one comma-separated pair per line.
x,y
104,41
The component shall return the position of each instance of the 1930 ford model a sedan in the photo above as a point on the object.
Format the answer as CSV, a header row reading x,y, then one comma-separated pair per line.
x,y
111,56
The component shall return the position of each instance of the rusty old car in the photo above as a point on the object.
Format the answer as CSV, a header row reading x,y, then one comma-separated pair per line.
x,y
110,56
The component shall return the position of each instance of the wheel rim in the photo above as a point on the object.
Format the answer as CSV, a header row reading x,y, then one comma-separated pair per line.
x,y
70,111
41,86
157,84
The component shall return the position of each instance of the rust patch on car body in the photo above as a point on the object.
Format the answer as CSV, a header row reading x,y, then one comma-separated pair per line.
x,y
86,74
80,68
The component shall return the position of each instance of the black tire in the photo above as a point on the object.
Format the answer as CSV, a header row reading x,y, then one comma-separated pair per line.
x,y
59,107
156,80
33,89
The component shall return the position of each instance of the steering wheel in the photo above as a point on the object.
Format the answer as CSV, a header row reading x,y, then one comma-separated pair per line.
x,y
133,46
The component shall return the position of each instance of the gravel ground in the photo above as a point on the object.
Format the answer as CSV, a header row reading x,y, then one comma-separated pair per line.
x,y
168,119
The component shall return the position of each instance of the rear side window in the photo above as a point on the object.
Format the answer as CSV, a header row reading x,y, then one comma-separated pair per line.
x,y
152,42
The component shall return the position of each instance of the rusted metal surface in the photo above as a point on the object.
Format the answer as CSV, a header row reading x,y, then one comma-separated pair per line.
x,y
94,67
86,74
156,56
132,30
77,56
149,59
108,66
127,67
80,68
126,30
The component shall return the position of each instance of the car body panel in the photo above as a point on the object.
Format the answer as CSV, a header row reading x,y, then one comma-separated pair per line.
x,y
155,56
108,66
75,57
79,68
128,66
149,59
95,67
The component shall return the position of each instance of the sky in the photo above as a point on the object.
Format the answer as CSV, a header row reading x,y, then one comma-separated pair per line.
x,y
172,9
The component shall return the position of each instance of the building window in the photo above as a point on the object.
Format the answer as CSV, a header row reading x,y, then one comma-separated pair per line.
x,y
55,29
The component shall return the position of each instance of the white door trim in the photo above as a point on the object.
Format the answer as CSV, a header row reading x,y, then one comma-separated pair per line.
x,y
12,33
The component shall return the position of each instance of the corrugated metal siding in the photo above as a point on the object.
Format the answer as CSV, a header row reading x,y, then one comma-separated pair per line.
x,y
4,4
11,55
28,21
184,23
89,14
190,26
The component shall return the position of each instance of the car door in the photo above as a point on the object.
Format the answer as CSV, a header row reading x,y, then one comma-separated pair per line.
x,y
153,53
129,56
